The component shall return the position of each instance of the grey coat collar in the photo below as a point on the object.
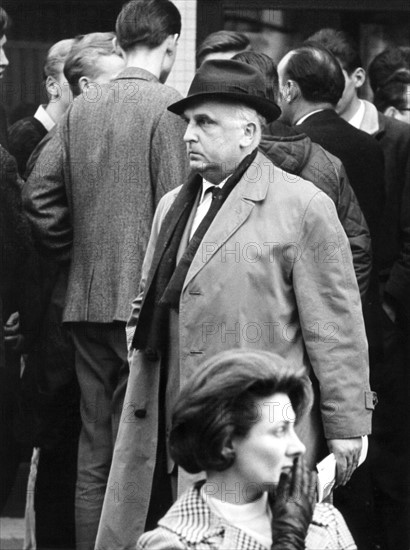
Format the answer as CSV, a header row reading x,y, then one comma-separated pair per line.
x,y
136,72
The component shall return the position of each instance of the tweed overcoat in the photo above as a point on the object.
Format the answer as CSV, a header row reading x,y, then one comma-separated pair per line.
x,y
92,195
274,272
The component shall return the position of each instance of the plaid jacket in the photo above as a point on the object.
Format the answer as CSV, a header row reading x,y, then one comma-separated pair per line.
x,y
190,524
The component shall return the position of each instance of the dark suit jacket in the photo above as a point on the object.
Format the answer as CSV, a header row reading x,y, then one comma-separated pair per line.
x,y
394,139
14,238
3,129
361,156
92,195
24,136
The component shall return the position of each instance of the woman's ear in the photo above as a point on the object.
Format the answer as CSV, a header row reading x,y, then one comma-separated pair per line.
x,y
228,451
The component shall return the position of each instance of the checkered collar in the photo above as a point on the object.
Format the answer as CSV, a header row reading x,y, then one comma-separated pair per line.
x,y
193,521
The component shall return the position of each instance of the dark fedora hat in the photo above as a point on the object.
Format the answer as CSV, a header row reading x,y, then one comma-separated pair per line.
x,y
232,80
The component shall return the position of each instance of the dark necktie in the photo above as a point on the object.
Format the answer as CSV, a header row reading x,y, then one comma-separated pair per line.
x,y
215,190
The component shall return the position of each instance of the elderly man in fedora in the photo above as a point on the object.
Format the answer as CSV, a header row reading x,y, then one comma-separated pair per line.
x,y
243,255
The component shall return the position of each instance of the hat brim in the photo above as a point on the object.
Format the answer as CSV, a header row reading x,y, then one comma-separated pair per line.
x,y
263,106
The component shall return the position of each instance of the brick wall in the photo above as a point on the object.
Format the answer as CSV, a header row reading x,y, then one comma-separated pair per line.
x,y
184,68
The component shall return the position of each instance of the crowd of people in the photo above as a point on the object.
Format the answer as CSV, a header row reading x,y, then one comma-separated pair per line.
x,y
203,297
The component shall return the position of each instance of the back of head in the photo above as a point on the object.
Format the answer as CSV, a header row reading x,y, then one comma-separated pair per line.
x,y
4,22
266,66
56,57
317,72
218,403
341,45
385,65
147,23
221,42
83,57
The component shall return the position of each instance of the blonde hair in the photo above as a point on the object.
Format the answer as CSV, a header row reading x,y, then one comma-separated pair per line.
x,y
56,57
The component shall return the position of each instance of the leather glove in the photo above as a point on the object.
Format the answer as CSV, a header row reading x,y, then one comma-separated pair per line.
x,y
292,507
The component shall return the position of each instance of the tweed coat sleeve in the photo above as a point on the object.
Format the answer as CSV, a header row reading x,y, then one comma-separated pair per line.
x,y
331,319
45,200
169,159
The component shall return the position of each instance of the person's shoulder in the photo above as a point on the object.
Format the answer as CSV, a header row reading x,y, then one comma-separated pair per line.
x,y
25,127
394,129
328,530
284,185
167,200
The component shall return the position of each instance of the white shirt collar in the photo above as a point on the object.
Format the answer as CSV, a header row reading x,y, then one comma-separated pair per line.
x,y
357,118
307,116
42,116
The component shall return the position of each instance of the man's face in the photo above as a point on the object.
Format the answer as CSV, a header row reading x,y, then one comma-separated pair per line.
x,y
4,62
58,89
286,107
404,114
349,93
215,139
107,68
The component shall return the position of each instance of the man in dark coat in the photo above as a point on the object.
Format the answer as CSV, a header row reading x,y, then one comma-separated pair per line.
x,y
389,458
92,201
13,248
309,102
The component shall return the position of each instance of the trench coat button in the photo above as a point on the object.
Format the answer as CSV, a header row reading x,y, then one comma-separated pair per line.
x,y
140,413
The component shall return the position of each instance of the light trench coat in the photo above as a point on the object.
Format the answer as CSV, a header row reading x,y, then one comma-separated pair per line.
x,y
274,272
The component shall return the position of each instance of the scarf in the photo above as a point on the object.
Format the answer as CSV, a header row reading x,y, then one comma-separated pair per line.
x,y
167,277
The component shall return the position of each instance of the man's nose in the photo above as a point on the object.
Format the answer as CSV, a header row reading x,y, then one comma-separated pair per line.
x,y
189,134
3,58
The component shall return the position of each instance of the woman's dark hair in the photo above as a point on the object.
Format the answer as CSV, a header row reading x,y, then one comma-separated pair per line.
x,y
219,403
147,23
222,41
317,72
4,22
267,67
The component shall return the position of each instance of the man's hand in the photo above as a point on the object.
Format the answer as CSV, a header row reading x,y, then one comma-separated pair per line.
x,y
347,454
292,507
12,336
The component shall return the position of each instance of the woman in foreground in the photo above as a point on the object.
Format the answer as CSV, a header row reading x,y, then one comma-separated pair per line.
x,y
235,421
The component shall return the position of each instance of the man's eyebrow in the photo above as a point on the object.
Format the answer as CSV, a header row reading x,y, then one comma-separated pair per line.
x,y
203,116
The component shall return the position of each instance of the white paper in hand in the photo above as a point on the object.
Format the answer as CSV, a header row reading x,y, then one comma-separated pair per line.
x,y
326,471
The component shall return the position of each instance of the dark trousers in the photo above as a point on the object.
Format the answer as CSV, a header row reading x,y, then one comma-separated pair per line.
x,y
376,502
102,372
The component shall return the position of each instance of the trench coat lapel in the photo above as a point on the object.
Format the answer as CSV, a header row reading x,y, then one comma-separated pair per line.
x,y
233,214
